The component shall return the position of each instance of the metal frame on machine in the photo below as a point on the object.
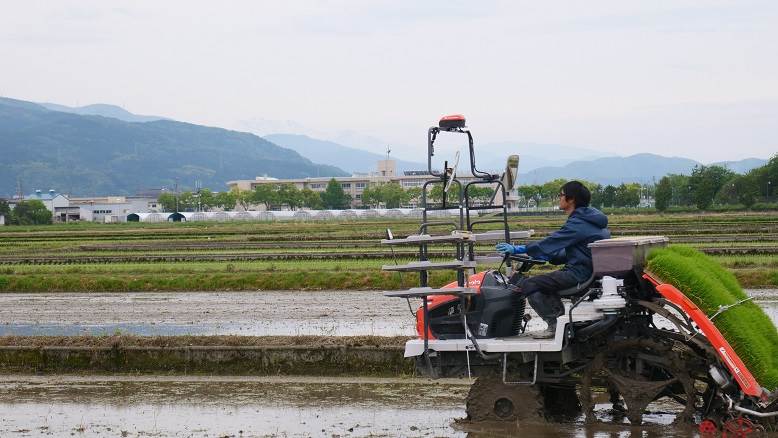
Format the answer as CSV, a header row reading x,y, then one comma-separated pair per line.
x,y
465,207
462,236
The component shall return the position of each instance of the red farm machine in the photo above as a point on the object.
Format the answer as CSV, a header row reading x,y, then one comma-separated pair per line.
x,y
626,337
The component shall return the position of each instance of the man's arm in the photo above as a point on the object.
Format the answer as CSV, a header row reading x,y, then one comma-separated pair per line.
x,y
558,258
555,242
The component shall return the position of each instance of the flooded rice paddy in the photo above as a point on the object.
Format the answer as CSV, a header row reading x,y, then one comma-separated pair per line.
x,y
266,313
180,406
264,407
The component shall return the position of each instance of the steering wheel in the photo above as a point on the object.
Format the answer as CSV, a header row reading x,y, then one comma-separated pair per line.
x,y
524,258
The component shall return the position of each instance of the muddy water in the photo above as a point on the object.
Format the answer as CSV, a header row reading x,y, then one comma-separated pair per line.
x,y
251,407
339,313
333,313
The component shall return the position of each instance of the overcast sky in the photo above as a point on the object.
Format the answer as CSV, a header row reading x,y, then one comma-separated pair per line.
x,y
690,78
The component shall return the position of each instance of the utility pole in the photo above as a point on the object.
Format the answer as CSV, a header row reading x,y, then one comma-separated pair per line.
x,y
176,191
198,187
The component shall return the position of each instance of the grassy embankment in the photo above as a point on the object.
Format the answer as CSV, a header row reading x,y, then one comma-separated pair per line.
x,y
313,256
207,355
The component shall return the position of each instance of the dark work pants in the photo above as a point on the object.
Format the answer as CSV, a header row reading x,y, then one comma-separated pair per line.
x,y
541,292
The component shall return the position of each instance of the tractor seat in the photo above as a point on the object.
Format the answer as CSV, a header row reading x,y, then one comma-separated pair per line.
x,y
578,289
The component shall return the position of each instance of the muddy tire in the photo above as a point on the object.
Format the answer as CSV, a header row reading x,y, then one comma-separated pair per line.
x,y
490,399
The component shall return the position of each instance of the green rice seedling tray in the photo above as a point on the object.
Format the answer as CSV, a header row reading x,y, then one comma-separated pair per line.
x,y
745,325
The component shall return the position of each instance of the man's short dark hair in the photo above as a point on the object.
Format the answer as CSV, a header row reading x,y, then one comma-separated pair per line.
x,y
578,192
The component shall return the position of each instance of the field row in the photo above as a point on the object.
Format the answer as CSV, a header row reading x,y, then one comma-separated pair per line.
x,y
273,255
294,256
363,264
121,231
752,271
245,244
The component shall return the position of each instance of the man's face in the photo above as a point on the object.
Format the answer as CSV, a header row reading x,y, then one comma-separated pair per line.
x,y
564,203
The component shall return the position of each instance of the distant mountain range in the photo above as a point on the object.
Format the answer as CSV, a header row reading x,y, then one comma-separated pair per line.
x,y
101,154
560,161
644,168
492,156
334,154
103,110
741,166
104,149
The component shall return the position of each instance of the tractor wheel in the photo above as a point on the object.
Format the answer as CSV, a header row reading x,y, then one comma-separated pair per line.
x,y
492,400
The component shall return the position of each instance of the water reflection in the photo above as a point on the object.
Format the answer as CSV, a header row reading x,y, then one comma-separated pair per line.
x,y
328,313
243,407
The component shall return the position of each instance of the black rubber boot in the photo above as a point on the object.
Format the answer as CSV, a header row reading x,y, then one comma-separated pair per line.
x,y
549,332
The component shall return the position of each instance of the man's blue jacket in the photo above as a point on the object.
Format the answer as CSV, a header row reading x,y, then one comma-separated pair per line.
x,y
569,245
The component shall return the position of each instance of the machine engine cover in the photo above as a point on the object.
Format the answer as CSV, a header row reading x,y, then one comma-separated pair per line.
x,y
452,121
496,311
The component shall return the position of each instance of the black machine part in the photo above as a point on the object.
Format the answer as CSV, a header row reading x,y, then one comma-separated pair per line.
x,y
498,311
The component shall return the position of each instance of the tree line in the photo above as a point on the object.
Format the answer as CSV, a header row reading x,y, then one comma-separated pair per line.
x,y
32,212
706,186
285,195
271,196
709,185
623,195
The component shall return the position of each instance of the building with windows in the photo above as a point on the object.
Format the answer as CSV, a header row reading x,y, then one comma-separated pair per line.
x,y
353,185
112,208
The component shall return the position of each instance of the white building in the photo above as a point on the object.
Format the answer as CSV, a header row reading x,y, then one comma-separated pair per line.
x,y
94,209
57,203
110,209
51,199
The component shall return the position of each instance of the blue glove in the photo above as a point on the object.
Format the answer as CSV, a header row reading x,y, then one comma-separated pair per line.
x,y
511,249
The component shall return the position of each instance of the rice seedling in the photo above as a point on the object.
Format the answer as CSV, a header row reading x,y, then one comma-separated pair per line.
x,y
745,326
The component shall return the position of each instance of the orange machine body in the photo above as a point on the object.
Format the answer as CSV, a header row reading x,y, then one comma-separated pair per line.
x,y
742,375
473,282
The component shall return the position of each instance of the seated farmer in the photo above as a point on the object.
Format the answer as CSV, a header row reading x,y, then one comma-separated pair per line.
x,y
568,245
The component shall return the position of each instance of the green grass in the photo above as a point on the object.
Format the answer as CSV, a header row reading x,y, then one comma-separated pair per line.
x,y
747,261
746,327
202,267
210,281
